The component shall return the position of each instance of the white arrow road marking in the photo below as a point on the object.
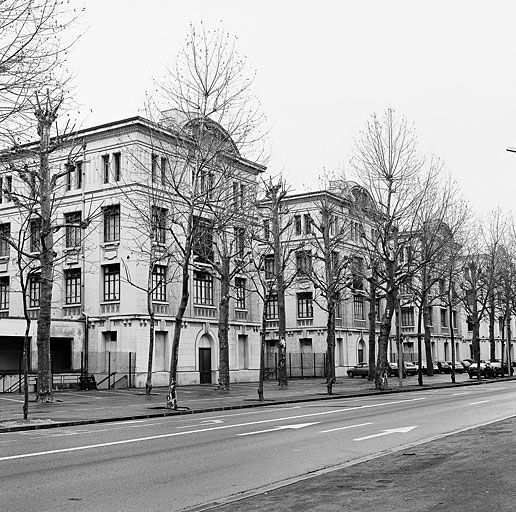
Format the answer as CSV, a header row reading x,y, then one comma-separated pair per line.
x,y
344,428
202,423
281,427
481,402
207,429
401,430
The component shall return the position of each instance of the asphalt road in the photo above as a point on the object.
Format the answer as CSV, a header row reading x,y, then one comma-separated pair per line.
x,y
180,462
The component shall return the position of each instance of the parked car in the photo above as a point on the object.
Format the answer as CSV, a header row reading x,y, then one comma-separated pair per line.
x,y
459,367
486,370
443,366
392,371
410,368
466,363
436,368
360,370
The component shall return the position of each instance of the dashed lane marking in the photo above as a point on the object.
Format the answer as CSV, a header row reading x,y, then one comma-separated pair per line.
x,y
344,428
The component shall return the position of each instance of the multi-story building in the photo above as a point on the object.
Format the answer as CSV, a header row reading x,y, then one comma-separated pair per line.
x,y
100,296
305,302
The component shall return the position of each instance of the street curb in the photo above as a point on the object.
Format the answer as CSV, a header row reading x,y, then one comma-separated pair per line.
x,y
74,423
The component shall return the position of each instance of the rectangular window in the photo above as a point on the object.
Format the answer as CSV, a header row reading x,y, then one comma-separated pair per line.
x,y
305,305
358,273
334,262
268,267
240,292
34,286
78,174
73,237
111,274
241,197
112,223
105,168
407,317
207,183
117,169
266,230
469,321
303,263
235,194
5,235
164,169
73,286
159,283
154,167
454,319
35,230
271,307
159,224
4,293
202,239
444,318
8,187
69,175
239,242
308,223
338,306
203,288
358,307
297,224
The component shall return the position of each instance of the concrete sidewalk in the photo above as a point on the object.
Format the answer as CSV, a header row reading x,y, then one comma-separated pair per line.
x,y
83,407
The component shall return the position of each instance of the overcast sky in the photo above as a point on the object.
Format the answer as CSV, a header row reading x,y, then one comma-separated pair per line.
x,y
324,67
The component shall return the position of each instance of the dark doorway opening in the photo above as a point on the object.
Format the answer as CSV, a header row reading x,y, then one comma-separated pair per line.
x,y
61,354
11,354
205,365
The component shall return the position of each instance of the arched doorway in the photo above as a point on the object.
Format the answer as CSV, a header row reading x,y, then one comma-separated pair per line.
x,y
361,351
204,350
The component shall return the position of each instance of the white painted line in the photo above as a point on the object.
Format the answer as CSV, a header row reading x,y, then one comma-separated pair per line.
x,y
281,427
186,432
401,430
11,400
344,428
481,402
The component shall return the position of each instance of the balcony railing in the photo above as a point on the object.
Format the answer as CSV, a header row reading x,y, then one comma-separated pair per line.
x,y
205,311
272,324
240,314
160,309
109,309
304,322
71,311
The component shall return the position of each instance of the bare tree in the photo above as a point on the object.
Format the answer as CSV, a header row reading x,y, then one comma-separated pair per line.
x,y
37,195
388,165
330,272
34,38
210,108
270,271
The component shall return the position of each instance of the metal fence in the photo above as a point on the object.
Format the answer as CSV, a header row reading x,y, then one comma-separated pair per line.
x,y
299,365
113,368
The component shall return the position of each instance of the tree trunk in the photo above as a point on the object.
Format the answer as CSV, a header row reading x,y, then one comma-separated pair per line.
x,y
224,325
420,345
330,350
262,351
428,337
492,313
372,326
383,341
148,382
452,340
26,346
46,259
178,325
